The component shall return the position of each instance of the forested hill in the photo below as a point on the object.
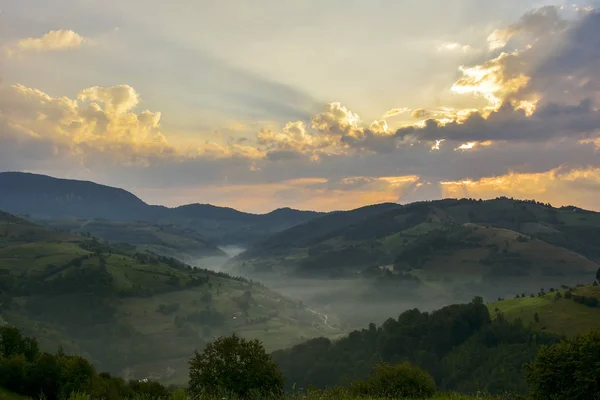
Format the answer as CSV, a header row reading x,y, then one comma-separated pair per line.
x,y
132,313
184,244
500,237
460,345
472,347
46,197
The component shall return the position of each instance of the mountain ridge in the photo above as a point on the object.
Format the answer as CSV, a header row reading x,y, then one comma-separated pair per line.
x,y
47,197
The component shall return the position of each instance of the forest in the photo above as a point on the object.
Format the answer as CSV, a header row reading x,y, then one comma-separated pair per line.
x,y
420,355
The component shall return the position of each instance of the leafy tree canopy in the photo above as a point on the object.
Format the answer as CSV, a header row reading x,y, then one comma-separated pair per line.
x,y
568,370
237,366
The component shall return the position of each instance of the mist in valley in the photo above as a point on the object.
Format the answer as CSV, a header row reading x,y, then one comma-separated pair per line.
x,y
353,303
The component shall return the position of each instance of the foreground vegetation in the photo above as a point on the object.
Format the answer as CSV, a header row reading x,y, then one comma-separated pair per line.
x,y
235,368
338,395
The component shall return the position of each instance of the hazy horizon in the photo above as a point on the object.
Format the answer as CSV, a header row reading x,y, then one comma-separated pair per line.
x,y
269,210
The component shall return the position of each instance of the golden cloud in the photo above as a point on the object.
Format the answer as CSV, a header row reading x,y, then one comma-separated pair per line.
x,y
558,186
105,125
395,111
494,80
499,38
473,145
117,99
542,21
305,193
62,39
454,47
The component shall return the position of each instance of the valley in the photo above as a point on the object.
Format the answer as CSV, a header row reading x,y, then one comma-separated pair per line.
x,y
426,255
101,300
137,297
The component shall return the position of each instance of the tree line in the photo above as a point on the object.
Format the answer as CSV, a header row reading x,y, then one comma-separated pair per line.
x,y
457,347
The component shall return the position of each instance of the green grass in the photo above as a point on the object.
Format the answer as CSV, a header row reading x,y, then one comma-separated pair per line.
x,y
6,395
563,316
313,396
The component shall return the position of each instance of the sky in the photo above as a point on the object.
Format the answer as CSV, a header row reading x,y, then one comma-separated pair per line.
x,y
322,105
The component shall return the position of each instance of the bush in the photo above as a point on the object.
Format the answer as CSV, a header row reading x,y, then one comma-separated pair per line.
x,y
396,381
235,366
568,370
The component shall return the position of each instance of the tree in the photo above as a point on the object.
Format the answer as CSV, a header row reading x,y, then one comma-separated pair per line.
x,y
237,366
598,275
396,381
567,370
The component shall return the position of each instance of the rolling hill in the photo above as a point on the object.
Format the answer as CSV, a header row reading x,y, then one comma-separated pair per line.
x,y
184,244
41,196
133,313
557,312
447,250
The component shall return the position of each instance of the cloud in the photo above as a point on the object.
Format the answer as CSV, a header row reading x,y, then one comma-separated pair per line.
x,y
104,124
533,25
531,96
454,47
472,145
550,122
62,39
305,193
526,118
495,79
560,186
116,99
395,111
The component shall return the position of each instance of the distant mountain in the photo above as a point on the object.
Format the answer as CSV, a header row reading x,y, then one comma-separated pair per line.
x,y
463,247
46,197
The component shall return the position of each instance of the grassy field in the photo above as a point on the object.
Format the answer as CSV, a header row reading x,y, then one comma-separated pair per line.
x,y
560,316
4,395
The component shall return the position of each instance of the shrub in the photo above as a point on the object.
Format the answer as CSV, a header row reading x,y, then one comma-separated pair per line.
x,y
396,381
568,370
236,366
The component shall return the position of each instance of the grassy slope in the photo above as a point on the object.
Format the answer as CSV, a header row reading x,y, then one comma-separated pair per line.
x,y
536,253
320,396
151,341
562,316
168,240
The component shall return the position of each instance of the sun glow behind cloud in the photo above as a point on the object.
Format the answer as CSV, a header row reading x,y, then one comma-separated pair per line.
x,y
524,94
558,186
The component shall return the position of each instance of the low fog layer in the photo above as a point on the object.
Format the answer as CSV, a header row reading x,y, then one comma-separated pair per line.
x,y
352,303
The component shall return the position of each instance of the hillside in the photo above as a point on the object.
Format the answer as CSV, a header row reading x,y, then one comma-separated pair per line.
x,y
428,254
132,313
184,244
41,196
448,237
557,312
459,345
